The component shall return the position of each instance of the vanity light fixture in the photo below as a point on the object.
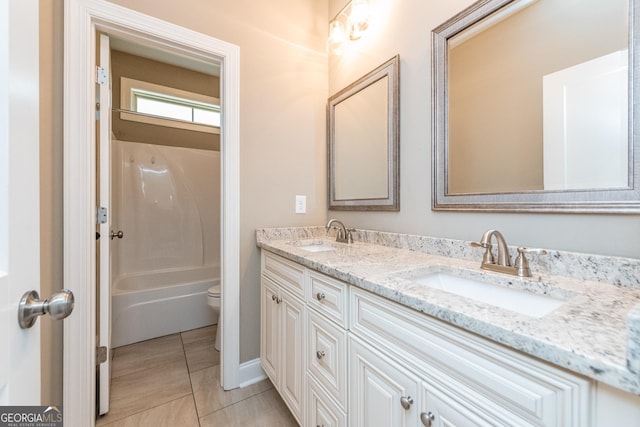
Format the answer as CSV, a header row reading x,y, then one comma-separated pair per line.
x,y
350,22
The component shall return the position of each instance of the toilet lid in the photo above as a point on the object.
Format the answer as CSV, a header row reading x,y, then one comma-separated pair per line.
x,y
214,290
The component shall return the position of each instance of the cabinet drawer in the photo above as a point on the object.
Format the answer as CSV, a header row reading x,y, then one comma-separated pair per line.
x,y
321,409
531,389
327,356
284,272
329,296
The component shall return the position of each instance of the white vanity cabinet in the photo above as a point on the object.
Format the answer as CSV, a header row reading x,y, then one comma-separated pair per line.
x,y
282,330
342,356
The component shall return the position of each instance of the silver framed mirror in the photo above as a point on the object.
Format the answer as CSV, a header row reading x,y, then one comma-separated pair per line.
x,y
534,107
363,139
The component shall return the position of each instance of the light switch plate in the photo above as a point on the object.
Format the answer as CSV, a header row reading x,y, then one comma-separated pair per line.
x,y
301,204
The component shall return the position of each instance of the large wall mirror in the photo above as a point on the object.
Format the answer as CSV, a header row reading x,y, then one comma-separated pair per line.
x,y
534,107
363,141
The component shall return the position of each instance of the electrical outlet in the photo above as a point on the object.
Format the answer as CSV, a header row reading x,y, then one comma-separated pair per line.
x,y
301,204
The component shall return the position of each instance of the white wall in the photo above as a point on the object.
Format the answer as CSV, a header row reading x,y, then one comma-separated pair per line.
x,y
404,27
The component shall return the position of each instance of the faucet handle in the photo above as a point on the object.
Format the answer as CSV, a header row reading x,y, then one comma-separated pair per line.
x,y
488,254
340,235
349,236
480,245
522,264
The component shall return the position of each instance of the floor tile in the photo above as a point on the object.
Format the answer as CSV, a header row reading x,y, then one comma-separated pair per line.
x,y
179,412
262,410
210,397
146,389
208,333
146,355
201,355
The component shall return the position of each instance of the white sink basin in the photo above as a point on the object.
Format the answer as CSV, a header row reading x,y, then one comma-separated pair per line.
x,y
520,301
315,246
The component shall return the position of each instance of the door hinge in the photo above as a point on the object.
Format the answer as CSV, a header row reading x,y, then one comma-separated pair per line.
x,y
101,355
102,215
102,75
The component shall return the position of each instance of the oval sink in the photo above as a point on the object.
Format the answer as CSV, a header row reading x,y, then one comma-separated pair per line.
x,y
520,301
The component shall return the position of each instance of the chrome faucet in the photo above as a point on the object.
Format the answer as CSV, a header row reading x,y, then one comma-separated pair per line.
x,y
344,234
503,265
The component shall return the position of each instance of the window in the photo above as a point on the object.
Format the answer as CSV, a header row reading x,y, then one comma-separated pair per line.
x,y
150,103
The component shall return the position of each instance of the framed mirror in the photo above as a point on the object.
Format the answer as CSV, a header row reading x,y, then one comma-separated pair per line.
x,y
534,107
363,140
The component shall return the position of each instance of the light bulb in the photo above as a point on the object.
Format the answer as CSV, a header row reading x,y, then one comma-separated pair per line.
x,y
358,18
337,37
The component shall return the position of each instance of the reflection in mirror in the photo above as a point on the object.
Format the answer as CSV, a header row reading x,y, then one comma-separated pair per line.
x,y
363,142
532,108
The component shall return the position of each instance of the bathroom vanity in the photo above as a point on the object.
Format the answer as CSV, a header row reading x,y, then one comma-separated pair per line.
x,y
365,334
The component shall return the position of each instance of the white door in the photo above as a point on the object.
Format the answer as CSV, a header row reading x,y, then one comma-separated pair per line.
x,y
104,199
19,199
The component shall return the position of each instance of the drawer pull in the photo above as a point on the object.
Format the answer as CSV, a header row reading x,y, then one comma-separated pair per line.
x,y
320,296
406,402
320,354
427,418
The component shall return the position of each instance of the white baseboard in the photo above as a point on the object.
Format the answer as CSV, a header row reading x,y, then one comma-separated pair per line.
x,y
251,372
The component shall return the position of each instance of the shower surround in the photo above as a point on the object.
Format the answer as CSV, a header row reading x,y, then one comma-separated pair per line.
x,y
167,202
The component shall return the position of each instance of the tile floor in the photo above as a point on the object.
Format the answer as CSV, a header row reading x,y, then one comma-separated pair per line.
x,y
174,381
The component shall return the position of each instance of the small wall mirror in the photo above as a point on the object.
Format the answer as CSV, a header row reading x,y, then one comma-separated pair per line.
x,y
534,107
363,141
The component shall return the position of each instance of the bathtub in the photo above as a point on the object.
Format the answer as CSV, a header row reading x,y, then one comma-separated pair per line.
x,y
153,304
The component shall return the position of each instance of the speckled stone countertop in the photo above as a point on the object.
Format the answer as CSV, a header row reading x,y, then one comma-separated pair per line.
x,y
595,332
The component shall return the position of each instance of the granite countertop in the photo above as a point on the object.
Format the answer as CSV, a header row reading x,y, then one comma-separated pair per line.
x,y
595,332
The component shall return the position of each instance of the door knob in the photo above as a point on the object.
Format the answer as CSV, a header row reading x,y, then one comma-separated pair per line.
x,y
119,234
59,306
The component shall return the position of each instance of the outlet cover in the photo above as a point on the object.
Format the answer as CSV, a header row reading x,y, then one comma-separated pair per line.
x,y
301,204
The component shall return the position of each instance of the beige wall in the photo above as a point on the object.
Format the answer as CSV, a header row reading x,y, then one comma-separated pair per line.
x,y
404,27
147,70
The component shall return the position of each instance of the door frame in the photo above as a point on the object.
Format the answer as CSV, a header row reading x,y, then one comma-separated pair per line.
x,y
82,20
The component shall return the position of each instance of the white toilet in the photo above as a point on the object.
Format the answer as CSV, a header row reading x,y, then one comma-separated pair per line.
x,y
213,299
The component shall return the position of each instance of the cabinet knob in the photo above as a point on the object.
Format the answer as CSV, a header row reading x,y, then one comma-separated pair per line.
x,y
320,354
278,300
273,297
406,402
320,296
427,418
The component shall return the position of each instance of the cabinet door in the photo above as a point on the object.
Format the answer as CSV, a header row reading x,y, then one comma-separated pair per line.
x,y
382,393
322,411
441,409
269,329
292,351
